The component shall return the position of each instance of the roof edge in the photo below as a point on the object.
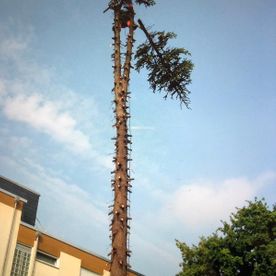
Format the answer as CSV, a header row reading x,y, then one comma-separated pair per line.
x,y
74,245
13,195
18,184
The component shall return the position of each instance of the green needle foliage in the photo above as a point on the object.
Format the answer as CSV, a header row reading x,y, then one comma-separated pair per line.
x,y
147,3
246,246
169,69
115,3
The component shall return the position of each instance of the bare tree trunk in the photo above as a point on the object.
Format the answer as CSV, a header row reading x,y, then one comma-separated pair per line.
x,y
121,182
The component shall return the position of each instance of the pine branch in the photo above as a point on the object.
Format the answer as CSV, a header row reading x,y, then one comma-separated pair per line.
x,y
169,69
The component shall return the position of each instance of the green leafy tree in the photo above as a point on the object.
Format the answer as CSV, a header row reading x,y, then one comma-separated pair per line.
x,y
169,71
245,246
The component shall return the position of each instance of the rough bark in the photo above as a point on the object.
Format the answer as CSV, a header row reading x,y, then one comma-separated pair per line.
x,y
121,182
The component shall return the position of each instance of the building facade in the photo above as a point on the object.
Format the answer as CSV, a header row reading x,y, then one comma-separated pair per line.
x,y
25,251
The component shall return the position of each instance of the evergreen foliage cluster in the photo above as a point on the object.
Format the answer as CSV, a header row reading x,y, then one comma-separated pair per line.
x,y
169,69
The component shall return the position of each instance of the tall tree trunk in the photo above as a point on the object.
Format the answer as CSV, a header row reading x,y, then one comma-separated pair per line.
x,y
121,182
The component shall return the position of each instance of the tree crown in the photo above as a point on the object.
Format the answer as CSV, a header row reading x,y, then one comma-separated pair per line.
x,y
245,246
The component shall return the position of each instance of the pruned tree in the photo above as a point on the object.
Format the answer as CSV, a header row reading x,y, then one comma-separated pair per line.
x,y
169,71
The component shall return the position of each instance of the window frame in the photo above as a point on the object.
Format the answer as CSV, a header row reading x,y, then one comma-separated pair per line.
x,y
22,254
46,258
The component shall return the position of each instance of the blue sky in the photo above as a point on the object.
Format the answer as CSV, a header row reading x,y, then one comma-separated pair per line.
x,y
191,167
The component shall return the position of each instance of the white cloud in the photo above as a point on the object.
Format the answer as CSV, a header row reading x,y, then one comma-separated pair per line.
x,y
201,204
32,94
46,117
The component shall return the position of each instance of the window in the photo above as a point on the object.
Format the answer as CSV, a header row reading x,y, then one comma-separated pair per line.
x,y
41,256
21,260
85,272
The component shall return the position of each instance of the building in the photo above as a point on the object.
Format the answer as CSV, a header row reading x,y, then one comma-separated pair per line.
x,y
25,251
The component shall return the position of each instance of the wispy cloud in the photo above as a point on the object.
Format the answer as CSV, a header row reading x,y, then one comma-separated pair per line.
x,y
70,195
46,117
75,205
31,94
12,47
